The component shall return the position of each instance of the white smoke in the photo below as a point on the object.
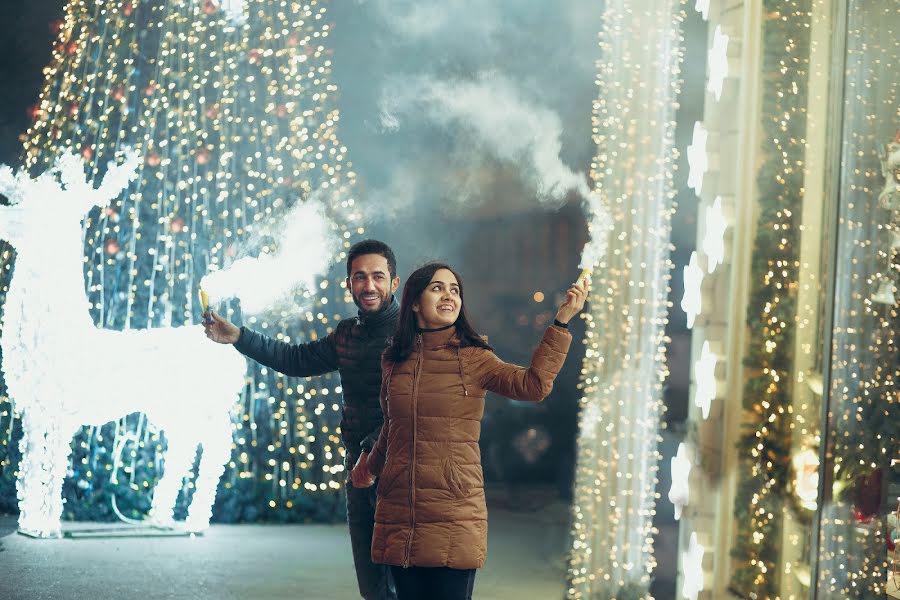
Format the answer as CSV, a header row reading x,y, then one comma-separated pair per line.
x,y
307,244
493,114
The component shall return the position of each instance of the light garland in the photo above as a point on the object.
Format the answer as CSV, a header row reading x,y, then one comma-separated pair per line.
x,y
236,122
764,446
624,366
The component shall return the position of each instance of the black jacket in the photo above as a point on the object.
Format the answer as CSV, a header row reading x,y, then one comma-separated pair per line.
x,y
354,349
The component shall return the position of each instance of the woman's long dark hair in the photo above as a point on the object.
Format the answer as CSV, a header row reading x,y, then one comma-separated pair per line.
x,y
401,344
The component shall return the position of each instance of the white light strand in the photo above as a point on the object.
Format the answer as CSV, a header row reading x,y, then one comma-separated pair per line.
x,y
624,367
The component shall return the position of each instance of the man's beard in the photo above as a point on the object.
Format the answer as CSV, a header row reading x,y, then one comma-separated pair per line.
x,y
370,311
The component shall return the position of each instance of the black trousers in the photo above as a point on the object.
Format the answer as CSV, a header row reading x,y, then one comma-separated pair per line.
x,y
374,580
433,583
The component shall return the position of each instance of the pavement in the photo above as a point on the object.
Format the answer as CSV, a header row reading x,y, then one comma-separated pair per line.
x,y
526,560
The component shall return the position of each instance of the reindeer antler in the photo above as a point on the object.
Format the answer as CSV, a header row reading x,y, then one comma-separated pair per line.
x,y
118,177
71,172
10,185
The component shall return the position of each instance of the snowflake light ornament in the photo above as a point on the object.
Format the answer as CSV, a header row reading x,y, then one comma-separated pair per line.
x,y
714,235
680,493
718,63
705,379
698,161
693,279
692,561
702,7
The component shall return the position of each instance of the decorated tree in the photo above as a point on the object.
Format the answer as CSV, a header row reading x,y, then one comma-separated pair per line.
x,y
231,108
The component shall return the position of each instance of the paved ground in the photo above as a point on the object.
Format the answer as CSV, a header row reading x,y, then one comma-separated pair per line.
x,y
260,562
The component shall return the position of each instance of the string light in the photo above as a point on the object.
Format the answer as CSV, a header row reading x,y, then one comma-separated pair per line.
x,y
624,366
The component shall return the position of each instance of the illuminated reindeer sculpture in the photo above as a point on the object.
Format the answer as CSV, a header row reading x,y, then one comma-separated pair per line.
x,y
63,372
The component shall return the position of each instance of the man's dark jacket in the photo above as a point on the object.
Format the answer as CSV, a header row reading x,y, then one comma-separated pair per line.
x,y
354,349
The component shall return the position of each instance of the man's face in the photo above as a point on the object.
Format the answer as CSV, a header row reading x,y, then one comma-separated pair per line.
x,y
370,282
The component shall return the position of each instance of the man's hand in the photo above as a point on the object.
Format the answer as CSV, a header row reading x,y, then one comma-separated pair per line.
x,y
574,302
221,330
360,476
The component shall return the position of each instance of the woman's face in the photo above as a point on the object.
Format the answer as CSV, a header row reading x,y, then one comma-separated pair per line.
x,y
440,302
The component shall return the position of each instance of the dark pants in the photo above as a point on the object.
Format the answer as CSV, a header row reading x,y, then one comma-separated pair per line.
x,y
434,583
375,582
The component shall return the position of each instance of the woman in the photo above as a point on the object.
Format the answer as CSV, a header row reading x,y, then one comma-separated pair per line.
x,y
431,518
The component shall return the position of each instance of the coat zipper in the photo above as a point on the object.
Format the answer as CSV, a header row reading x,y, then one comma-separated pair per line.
x,y
412,470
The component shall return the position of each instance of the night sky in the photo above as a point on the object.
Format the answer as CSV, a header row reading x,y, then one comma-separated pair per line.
x,y
24,52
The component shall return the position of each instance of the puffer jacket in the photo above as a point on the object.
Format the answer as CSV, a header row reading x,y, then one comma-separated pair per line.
x,y
431,510
354,349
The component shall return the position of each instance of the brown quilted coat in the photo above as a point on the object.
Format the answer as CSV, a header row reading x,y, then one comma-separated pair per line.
x,y
431,510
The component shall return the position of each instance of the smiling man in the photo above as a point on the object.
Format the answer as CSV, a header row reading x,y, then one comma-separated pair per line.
x,y
354,349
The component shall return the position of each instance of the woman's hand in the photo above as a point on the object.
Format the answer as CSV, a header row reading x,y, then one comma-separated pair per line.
x,y
360,476
574,302
221,330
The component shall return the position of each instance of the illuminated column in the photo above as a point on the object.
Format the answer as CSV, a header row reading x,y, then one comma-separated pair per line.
x,y
624,363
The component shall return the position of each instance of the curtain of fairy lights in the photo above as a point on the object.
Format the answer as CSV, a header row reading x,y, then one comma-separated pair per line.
x,y
624,366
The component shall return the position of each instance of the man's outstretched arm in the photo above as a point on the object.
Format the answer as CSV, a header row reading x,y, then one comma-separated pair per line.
x,y
296,360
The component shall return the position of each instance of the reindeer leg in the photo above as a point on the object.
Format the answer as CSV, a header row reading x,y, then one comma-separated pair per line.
x,y
45,459
216,452
179,457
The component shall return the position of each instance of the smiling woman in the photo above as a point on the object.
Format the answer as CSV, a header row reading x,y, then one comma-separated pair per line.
x,y
431,517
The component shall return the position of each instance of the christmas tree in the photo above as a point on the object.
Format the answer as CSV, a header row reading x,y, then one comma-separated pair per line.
x,y
231,108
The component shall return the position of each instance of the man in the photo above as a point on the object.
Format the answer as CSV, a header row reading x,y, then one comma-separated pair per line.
x,y
354,349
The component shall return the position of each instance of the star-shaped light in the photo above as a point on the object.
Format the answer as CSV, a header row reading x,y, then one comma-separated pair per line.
x,y
714,236
697,159
705,379
692,561
680,493
702,7
718,63
693,278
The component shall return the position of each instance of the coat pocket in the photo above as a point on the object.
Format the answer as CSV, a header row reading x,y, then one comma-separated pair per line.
x,y
452,475
388,478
